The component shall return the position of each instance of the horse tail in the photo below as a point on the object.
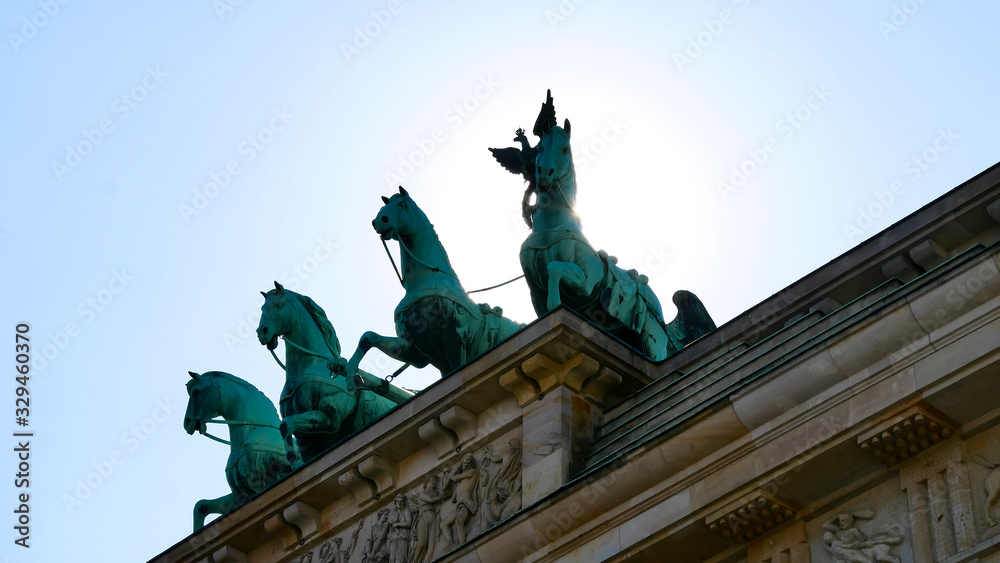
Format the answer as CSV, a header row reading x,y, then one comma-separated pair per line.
x,y
693,320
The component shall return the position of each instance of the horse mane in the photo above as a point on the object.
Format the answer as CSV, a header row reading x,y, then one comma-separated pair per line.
x,y
423,216
242,383
322,322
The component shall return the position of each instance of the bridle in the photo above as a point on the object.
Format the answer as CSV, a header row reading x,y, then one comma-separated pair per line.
x,y
203,432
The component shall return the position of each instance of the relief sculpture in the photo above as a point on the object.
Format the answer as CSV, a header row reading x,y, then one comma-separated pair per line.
x,y
848,544
376,548
465,498
426,501
991,486
502,496
449,507
331,551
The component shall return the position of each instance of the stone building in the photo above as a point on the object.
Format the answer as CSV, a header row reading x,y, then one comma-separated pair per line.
x,y
851,417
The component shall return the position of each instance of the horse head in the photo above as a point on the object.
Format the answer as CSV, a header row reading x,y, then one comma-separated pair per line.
x,y
278,316
554,159
402,220
397,217
203,402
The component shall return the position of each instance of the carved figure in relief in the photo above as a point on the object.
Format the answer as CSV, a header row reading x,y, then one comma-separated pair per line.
x,y
465,497
502,494
306,558
426,503
848,544
330,552
375,544
400,522
991,485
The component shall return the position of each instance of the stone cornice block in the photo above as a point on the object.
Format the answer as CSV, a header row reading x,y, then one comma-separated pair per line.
x,y
750,516
229,554
304,517
379,471
460,421
363,489
599,385
434,433
286,532
519,385
906,433
540,374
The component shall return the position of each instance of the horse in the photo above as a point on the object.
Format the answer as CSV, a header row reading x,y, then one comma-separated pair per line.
x,y
319,406
256,454
562,267
437,323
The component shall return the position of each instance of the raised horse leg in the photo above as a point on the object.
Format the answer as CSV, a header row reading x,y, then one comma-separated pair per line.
x,y
580,279
204,507
396,348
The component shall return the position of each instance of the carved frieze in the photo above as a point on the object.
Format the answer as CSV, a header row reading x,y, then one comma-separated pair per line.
x,y
991,489
470,493
848,544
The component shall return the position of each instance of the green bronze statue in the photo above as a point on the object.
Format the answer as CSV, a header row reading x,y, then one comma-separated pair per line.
x,y
319,407
437,322
256,454
560,265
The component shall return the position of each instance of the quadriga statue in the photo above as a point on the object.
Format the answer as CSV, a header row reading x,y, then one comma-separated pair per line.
x,y
256,454
561,267
437,322
319,406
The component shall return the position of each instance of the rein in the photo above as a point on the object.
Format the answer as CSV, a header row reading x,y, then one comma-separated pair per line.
x,y
429,267
230,423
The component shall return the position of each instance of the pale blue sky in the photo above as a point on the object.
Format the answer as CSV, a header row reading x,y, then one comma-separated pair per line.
x,y
654,135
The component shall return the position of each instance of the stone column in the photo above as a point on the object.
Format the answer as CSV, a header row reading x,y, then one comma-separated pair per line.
x,y
916,497
563,403
939,494
960,491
